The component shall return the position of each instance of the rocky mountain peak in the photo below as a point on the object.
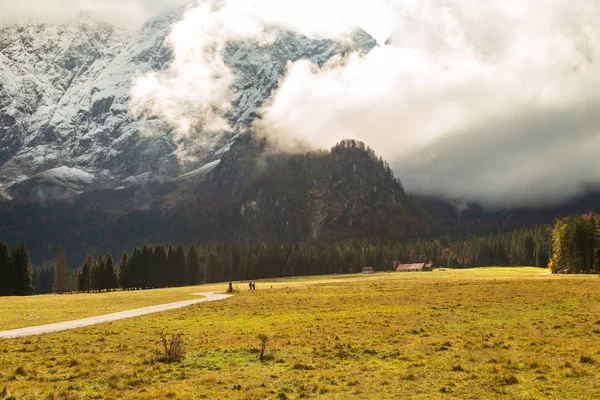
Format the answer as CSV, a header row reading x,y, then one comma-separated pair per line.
x,y
65,92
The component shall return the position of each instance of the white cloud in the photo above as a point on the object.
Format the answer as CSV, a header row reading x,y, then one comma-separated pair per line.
x,y
459,103
123,13
194,93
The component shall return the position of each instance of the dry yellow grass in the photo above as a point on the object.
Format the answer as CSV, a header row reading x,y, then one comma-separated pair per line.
x,y
488,333
20,312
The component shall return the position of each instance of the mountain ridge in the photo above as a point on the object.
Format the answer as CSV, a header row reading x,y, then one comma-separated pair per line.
x,y
65,92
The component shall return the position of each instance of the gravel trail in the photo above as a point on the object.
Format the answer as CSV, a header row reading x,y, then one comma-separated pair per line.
x,y
79,323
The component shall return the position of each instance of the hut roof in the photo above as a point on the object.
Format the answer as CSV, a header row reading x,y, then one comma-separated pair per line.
x,y
410,267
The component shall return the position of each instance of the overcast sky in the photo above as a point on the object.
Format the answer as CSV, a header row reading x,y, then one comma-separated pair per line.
x,y
493,101
123,13
490,100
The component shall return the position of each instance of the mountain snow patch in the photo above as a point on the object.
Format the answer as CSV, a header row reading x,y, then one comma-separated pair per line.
x,y
203,170
69,176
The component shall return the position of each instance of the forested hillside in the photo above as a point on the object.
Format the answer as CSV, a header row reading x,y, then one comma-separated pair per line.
x,y
253,195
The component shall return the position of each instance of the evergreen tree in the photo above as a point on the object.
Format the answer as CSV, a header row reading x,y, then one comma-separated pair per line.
x,y
61,282
99,277
43,278
145,268
21,271
110,274
193,267
161,266
173,267
181,266
124,272
135,269
85,275
5,273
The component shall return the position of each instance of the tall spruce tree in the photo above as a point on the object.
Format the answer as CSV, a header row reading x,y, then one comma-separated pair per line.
x,y
84,276
181,266
21,271
173,266
161,266
110,273
61,282
124,272
43,278
99,276
5,273
193,267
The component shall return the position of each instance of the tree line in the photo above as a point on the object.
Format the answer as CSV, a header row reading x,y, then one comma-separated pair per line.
x,y
157,266
576,244
15,271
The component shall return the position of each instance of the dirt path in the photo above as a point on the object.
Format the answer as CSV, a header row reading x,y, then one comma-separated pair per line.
x,y
79,323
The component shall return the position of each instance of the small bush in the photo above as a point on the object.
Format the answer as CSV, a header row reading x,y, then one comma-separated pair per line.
x,y
303,367
340,349
457,368
264,340
173,349
507,380
586,360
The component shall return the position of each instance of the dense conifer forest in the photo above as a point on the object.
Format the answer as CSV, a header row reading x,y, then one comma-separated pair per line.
x,y
571,245
154,266
15,271
576,244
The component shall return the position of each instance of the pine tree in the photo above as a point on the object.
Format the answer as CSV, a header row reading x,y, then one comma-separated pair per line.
x,y
99,274
161,266
21,271
43,278
124,272
84,276
181,266
144,273
135,269
173,267
5,273
110,274
61,282
193,267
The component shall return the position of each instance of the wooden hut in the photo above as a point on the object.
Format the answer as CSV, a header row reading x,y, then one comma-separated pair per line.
x,y
419,267
368,270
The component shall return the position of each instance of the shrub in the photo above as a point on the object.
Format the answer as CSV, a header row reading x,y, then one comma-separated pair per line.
x,y
264,340
173,349
507,380
303,367
457,368
586,360
341,350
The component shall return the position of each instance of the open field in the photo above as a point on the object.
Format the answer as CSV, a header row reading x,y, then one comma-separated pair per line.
x,y
513,333
21,312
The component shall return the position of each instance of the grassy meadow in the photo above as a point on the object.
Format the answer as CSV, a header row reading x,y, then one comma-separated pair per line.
x,y
510,333
21,312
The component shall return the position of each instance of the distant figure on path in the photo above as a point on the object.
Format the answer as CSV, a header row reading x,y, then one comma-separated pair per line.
x,y
250,285
254,286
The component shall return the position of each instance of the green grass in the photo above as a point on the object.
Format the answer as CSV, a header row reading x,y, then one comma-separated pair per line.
x,y
511,333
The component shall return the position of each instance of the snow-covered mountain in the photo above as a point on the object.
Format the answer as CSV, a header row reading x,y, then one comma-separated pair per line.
x,y
65,92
